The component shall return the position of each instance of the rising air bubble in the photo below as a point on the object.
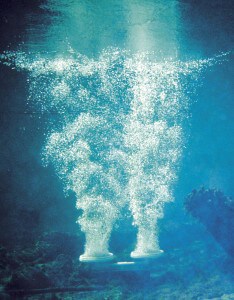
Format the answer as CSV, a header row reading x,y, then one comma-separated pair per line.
x,y
121,138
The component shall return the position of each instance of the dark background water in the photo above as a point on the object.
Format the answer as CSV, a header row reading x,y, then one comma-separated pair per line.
x,y
32,198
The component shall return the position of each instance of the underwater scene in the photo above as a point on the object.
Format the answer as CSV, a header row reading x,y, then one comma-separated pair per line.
x,y
117,157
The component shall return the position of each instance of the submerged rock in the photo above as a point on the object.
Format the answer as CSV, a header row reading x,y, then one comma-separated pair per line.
x,y
55,243
216,212
50,262
59,270
28,278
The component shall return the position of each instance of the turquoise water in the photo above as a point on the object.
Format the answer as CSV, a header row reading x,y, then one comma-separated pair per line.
x,y
119,109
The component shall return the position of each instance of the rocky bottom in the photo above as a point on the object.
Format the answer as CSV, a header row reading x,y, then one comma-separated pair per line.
x,y
51,270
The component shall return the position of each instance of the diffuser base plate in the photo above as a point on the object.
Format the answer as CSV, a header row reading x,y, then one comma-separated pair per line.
x,y
141,255
96,258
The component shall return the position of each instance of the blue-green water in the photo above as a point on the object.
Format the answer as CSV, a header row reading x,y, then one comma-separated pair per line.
x,y
119,109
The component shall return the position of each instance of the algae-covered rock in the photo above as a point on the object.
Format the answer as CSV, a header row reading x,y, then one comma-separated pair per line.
x,y
53,244
59,270
29,278
50,262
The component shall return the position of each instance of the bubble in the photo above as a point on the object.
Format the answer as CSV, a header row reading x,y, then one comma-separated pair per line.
x,y
121,137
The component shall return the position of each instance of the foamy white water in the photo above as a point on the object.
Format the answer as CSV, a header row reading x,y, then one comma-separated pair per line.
x,y
122,137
